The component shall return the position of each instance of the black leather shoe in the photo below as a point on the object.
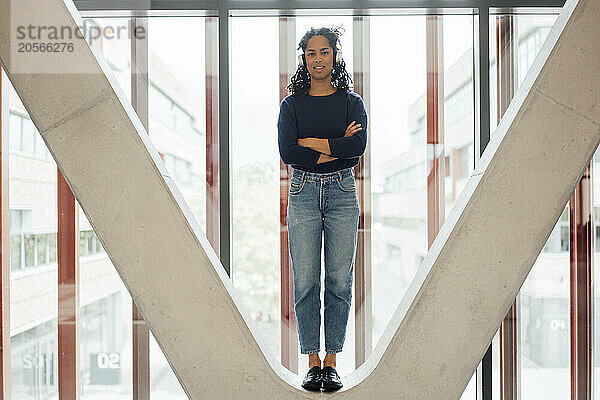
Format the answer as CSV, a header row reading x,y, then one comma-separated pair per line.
x,y
312,381
331,379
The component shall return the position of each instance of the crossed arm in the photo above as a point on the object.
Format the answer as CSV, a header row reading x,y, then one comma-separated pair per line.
x,y
322,145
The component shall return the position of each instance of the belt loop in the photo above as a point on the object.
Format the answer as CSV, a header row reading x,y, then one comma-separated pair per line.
x,y
339,174
303,175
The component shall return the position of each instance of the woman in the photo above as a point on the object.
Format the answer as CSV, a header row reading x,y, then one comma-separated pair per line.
x,y
322,132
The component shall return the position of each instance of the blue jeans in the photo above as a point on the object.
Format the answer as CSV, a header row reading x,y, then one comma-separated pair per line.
x,y
322,202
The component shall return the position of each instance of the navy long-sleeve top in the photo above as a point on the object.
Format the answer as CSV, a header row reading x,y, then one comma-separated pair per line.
x,y
327,117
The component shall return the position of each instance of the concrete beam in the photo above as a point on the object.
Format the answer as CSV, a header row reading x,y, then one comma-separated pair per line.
x,y
460,294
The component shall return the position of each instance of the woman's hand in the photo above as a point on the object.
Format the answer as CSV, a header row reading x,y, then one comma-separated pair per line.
x,y
352,129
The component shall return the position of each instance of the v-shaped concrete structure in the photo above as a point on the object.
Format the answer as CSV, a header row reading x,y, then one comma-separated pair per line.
x,y
453,307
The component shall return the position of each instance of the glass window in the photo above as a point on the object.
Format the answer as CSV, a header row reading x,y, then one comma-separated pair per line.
x,y
90,242
52,247
42,250
181,119
418,135
398,140
399,147
16,249
399,171
28,137
29,250
177,71
183,170
14,128
40,145
105,322
459,103
32,183
82,244
160,106
544,297
255,171
459,115
533,30
34,362
99,246
16,221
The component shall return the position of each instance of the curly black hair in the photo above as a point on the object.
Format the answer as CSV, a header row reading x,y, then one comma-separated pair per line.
x,y
340,78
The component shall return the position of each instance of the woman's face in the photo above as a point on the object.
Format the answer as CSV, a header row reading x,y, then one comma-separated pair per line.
x,y
319,57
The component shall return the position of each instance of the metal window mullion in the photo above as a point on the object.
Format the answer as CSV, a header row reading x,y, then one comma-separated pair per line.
x,y
224,145
481,93
287,6
363,327
506,83
139,100
289,333
482,64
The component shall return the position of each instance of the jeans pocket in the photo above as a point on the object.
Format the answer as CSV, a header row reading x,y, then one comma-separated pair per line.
x,y
296,185
347,183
